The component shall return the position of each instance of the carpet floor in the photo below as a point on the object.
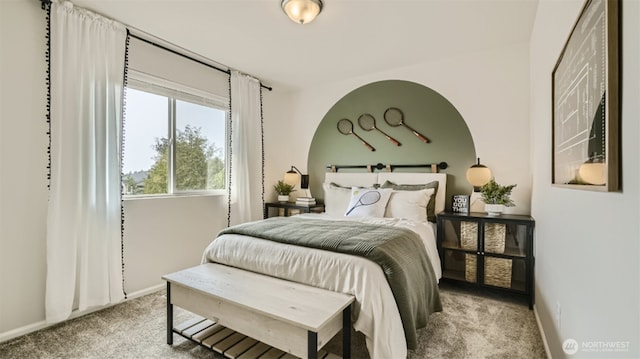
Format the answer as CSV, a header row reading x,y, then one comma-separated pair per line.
x,y
474,324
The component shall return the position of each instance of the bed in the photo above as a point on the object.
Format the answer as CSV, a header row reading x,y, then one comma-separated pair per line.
x,y
410,203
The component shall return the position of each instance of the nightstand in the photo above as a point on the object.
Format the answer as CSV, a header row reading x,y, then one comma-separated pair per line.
x,y
489,251
287,206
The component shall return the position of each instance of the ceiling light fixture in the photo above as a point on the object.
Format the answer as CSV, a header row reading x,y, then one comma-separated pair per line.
x,y
302,11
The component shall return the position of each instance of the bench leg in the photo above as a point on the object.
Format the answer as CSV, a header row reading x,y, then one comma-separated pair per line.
x,y
169,316
346,332
312,351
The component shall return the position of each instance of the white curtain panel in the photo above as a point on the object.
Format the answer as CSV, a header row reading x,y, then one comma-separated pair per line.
x,y
83,221
246,149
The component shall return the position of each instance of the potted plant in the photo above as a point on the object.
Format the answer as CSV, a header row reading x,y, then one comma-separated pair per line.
x,y
284,190
496,197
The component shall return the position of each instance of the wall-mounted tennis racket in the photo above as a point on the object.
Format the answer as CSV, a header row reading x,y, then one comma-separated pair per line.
x,y
345,127
394,118
367,122
367,199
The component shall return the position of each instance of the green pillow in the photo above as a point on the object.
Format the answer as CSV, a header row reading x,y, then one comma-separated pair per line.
x,y
431,206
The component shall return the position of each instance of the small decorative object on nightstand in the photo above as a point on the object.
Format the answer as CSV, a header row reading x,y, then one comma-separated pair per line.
x,y
306,201
488,251
294,175
477,175
460,203
496,197
283,190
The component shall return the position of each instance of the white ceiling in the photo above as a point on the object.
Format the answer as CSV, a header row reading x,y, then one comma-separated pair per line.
x,y
349,38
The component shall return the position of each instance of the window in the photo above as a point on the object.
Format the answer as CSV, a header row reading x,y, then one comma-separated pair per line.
x,y
174,139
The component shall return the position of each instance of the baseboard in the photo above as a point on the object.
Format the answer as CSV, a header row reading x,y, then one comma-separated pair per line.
x,y
544,337
14,333
146,291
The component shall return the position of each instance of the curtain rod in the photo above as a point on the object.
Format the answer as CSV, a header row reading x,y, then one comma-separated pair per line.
x,y
228,72
44,4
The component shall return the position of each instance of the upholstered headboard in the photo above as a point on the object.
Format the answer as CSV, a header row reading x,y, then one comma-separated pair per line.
x,y
369,179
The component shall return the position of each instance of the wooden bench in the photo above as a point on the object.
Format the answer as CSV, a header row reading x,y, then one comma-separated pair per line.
x,y
295,318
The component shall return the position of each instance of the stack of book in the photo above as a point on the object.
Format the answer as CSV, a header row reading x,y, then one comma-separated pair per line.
x,y
305,201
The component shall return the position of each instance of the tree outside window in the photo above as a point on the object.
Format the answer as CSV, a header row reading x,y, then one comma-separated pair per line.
x,y
198,149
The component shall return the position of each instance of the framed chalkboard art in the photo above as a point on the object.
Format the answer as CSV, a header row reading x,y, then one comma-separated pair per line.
x,y
585,102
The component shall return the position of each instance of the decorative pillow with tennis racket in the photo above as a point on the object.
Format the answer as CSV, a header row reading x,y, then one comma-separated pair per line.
x,y
368,202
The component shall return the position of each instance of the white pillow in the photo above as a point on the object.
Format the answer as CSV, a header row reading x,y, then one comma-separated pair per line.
x,y
336,199
368,202
409,204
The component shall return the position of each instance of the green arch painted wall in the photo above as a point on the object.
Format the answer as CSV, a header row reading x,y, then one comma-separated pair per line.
x,y
424,109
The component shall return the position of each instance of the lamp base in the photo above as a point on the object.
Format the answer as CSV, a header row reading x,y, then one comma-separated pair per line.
x,y
477,204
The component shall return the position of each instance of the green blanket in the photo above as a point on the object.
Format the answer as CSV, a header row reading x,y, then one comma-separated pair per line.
x,y
399,251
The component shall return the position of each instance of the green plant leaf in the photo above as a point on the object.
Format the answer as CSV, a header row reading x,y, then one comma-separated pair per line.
x,y
493,193
283,188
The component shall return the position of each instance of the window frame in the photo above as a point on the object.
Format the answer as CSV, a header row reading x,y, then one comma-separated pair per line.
x,y
173,91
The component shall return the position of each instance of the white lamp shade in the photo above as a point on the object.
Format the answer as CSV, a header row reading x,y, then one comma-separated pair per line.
x,y
302,11
291,178
593,173
478,176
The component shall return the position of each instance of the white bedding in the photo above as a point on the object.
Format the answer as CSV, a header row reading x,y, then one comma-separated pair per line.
x,y
375,311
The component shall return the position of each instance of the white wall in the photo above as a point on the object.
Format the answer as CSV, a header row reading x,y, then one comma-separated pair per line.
x,y
586,243
23,161
161,235
167,234
587,250
490,90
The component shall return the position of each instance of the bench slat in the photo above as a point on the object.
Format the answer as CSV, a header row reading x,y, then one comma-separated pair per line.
x,y
240,347
221,335
189,332
228,342
273,353
255,351
188,324
207,333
